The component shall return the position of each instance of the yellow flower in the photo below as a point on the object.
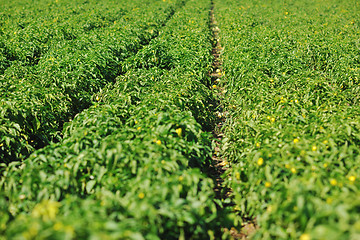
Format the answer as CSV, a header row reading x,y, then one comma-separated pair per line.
x,y
305,236
333,182
296,101
325,165
293,170
138,128
181,178
178,131
296,140
158,142
141,195
258,144
287,166
237,175
46,210
272,119
325,142
260,161
314,148
352,178
268,184
97,98
214,86
58,226
268,117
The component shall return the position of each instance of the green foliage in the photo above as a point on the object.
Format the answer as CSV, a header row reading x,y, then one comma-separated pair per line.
x,y
127,167
292,79
55,60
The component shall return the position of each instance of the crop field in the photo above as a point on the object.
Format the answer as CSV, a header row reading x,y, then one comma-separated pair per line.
x,y
179,119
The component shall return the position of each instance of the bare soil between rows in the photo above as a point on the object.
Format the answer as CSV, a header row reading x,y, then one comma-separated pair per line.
x,y
219,163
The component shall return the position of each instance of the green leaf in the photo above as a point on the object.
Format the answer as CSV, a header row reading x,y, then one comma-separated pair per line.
x,y
90,185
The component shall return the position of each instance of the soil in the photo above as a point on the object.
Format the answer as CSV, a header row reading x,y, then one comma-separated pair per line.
x,y
219,163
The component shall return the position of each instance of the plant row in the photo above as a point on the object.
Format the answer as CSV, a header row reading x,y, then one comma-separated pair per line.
x,y
293,132
129,166
37,98
29,31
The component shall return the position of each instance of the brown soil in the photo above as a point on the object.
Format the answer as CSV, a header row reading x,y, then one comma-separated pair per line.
x,y
219,163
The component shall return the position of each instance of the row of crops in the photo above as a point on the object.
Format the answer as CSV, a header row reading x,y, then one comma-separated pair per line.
x,y
128,165
293,132
55,55
107,108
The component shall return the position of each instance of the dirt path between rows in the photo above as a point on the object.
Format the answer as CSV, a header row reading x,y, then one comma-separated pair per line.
x,y
219,163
